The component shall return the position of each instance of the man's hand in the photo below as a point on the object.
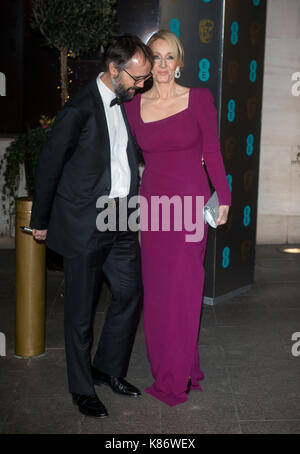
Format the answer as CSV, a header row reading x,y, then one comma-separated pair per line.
x,y
39,234
223,214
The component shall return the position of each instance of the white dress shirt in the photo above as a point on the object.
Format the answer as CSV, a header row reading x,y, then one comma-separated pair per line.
x,y
118,137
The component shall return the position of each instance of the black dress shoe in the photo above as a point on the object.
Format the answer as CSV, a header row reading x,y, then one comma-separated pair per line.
x,y
117,384
90,405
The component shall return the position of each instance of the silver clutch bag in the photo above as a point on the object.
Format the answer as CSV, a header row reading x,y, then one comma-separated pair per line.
x,y
211,211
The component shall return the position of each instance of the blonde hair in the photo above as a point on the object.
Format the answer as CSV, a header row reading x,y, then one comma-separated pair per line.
x,y
174,43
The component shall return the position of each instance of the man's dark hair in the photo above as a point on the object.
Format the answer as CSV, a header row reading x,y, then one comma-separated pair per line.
x,y
121,49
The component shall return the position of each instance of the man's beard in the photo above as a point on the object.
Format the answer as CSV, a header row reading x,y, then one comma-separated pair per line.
x,y
124,94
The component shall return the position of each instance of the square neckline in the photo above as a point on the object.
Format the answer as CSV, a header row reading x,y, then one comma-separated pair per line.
x,y
166,118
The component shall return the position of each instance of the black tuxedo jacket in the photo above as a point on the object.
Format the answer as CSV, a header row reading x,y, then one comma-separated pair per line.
x,y
73,170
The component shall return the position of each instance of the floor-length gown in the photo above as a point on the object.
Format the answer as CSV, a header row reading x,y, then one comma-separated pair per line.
x,y
172,268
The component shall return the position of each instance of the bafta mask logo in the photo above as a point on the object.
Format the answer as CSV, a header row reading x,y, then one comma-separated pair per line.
x,y
245,249
248,180
254,33
252,106
206,30
233,71
230,147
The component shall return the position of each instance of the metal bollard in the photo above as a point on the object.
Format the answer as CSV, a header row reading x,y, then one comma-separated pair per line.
x,y
30,286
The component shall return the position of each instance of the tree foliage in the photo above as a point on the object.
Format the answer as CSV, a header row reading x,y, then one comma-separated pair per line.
x,y
77,25
74,27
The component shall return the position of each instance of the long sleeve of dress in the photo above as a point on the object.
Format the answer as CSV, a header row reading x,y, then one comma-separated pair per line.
x,y
207,114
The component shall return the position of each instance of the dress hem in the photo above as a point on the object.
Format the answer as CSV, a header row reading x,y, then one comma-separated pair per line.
x,y
167,399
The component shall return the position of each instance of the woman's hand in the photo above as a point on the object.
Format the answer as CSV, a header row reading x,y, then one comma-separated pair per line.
x,y
223,214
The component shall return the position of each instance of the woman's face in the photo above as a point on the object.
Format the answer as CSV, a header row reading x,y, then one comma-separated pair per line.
x,y
164,62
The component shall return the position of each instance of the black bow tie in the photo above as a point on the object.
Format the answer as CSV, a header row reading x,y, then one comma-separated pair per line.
x,y
115,101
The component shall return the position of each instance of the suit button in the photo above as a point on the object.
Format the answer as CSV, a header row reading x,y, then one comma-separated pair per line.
x,y
107,188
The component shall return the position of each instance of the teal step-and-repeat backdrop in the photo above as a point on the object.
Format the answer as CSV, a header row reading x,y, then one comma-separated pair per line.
x,y
224,42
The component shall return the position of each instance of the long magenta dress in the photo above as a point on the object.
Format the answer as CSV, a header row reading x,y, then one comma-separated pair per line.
x,y
172,268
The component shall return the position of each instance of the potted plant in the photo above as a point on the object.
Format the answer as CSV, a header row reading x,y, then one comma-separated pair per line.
x,y
23,150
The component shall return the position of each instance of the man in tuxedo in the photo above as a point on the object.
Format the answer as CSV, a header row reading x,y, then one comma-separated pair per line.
x,y
89,153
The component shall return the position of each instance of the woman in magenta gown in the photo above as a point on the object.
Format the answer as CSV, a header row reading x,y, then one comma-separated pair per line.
x,y
175,126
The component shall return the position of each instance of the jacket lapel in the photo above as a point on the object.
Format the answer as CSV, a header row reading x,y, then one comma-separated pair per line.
x,y
103,127
101,120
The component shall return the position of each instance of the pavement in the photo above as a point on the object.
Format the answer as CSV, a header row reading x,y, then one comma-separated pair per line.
x,y
251,383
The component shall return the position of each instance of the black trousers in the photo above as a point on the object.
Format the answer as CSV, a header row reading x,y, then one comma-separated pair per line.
x,y
117,255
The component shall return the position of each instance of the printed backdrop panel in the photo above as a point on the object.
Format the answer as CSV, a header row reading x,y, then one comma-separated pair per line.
x,y
224,43
198,24
240,128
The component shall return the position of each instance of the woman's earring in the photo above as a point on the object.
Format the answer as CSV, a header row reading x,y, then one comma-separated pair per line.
x,y
177,73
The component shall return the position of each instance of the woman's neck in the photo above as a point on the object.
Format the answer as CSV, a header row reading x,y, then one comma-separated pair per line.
x,y
164,91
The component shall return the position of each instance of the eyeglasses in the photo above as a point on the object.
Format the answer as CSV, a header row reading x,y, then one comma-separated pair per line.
x,y
140,78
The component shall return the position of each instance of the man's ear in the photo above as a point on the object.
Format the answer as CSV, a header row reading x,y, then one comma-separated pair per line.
x,y
113,69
